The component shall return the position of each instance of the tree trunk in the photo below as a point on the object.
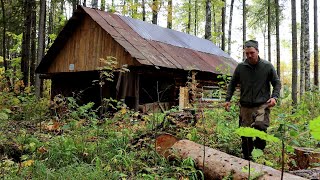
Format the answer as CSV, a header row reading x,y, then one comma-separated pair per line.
x,y
33,43
74,5
223,25
124,8
196,17
302,63
215,28
316,52
269,31
306,48
169,19
103,5
50,23
4,48
25,55
278,38
189,17
294,53
143,11
207,34
94,3
230,26
84,3
155,10
244,26
135,10
41,40
216,164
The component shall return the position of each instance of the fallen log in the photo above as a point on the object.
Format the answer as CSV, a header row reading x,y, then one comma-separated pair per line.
x,y
217,164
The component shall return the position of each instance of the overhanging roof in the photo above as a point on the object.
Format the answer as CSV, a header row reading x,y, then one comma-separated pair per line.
x,y
149,44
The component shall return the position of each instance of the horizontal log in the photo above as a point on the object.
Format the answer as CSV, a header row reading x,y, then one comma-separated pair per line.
x,y
217,164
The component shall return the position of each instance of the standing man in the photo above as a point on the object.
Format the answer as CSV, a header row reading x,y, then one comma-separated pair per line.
x,y
254,76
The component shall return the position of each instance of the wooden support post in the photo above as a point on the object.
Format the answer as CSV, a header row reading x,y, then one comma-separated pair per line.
x,y
183,98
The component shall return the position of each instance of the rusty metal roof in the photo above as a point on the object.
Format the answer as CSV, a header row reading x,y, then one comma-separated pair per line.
x,y
153,45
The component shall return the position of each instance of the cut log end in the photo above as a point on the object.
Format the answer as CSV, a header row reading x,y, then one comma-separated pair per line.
x,y
163,143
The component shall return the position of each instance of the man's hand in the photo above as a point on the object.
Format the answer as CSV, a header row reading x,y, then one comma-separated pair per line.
x,y
271,102
227,106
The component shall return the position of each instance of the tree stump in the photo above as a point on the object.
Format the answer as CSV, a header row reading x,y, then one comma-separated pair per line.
x,y
306,157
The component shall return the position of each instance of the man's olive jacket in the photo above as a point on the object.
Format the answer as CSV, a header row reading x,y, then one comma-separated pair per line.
x,y
254,81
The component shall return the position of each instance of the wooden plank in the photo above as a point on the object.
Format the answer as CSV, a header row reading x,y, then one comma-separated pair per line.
x,y
131,49
102,19
165,54
109,19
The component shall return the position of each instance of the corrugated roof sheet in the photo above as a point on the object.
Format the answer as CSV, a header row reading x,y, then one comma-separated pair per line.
x,y
153,45
175,38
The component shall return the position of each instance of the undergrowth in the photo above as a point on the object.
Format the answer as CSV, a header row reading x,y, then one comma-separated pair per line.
x,y
65,140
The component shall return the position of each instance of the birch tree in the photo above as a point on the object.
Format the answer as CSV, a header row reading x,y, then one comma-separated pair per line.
x,y
207,34
306,48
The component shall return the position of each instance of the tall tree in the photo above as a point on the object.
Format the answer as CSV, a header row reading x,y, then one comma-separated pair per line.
x,y
196,17
230,26
278,36
84,3
155,10
33,50
103,5
302,63
25,56
269,30
94,3
189,18
4,36
143,10
316,52
41,40
244,25
169,17
207,34
223,25
4,48
294,53
306,44
134,11
74,4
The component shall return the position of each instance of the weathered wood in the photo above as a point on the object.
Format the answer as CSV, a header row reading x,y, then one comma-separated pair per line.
x,y
218,164
86,46
306,157
307,173
183,98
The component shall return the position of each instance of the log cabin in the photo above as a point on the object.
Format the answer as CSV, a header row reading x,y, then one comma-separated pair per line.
x,y
160,60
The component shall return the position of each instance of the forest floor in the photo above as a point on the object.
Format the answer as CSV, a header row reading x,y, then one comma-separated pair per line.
x,y
40,139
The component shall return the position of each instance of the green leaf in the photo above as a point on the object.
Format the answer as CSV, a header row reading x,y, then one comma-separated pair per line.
x,y
4,116
251,132
315,128
290,149
256,153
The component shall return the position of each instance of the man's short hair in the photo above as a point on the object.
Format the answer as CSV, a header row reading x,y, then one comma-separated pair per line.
x,y
252,43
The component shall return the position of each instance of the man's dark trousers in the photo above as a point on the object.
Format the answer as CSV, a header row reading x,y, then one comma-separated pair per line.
x,y
258,118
